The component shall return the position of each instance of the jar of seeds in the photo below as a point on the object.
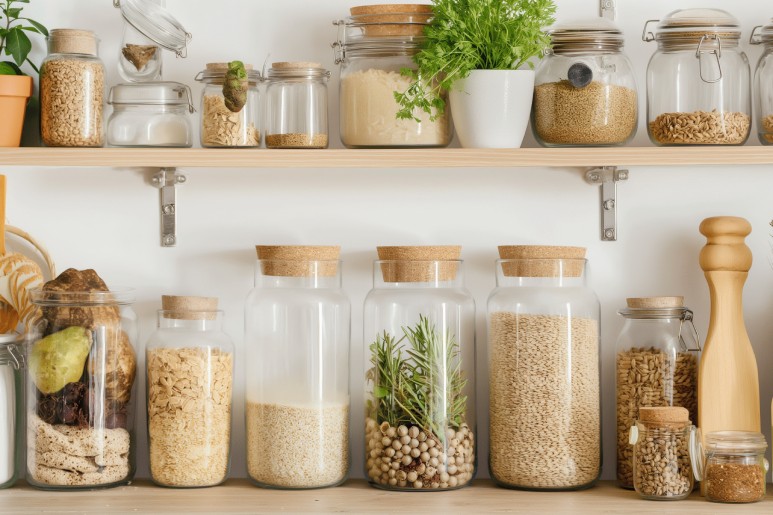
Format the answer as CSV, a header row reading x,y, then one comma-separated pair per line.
x,y
72,88
763,83
657,365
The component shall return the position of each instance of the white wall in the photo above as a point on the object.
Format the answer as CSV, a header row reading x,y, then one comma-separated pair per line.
x,y
107,218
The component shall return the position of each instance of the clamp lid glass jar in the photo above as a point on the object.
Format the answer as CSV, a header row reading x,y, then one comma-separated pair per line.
x,y
698,80
11,410
763,82
585,89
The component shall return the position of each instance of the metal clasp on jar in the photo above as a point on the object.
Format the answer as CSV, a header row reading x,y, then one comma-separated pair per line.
x,y
755,38
717,55
687,316
339,47
646,35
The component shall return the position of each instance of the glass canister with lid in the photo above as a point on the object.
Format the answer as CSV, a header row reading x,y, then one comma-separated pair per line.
x,y
374,45
698,80
763,82
11,409
585,89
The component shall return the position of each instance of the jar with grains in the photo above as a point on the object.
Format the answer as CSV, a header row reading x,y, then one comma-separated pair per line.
x,y
11,409
763,82
544,394
731,465
221,127
698,81
189,362
297,323
585,89
658,351
375,44
72,89
296,105
419,329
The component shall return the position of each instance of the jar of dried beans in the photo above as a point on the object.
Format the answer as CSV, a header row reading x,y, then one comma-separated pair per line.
x,y
72,89
657,365
189,362
585,89
11,410
544,396
419,322
698,81
763,83
297,323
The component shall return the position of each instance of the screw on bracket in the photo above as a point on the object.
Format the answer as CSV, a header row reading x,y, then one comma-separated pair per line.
x,y
607,177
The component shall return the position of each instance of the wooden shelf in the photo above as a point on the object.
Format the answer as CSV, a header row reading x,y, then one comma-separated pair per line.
x,y
403,158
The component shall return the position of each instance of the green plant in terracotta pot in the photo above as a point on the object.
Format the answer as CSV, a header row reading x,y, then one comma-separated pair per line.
x,y
15,87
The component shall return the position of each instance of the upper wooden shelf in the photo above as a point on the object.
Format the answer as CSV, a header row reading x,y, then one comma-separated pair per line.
x,y
399,158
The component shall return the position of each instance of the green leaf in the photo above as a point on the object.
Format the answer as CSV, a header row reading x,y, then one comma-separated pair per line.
x,y
39,26
7,68
18,45
13,12
380,392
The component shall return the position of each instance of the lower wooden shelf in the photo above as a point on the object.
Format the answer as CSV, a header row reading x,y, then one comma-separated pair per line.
x,y
355,496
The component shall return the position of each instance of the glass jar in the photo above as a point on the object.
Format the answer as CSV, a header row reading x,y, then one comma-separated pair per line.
x,y
220,127
698,80
72,89
731,465
150,114
296,106
297,323
585,89
419,322
658,351
661,453
80,387
544,394
373,49
763,82
189,363
11,411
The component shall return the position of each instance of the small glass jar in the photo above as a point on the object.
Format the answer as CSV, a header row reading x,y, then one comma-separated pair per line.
x,y
374,46
698,81
150,114
731,465
658,351
11,409
544,379
297,323
763,82
189,363
585,89
221,127
72,89
419,323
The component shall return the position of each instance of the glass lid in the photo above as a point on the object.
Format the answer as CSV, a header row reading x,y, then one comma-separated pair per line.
x,y
151,93
156,23
215,72
740,442
590,34
297,70
685,22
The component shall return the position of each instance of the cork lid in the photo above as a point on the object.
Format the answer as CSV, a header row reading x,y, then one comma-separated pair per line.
x,y
384,20
293,260
295,65
189,308
664,415
72,41
415,264
540,260
655,302
223,67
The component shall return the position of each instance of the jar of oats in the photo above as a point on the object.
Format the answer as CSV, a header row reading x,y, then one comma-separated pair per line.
x,y
658,351
698,80
763,83
544,391
72,88
189,362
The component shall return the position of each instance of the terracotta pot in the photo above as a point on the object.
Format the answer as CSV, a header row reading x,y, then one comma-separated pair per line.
x,y
15,90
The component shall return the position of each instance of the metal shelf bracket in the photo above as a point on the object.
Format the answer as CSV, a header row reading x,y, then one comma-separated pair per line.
x,y
607,9
166,180
607,177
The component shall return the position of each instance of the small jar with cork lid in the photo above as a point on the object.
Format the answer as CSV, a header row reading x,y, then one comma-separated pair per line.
x,y
189,362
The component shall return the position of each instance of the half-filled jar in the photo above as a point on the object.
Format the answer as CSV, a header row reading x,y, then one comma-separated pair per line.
x,y
763,83
11,409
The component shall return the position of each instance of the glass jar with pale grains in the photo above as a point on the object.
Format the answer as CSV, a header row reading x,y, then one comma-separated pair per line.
x,y
189,362
763,83
11,410
544,390
297,323
419,323
375,44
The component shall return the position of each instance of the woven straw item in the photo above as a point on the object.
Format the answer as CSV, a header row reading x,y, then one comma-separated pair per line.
x,y
295,260
189,308
542,261
419,264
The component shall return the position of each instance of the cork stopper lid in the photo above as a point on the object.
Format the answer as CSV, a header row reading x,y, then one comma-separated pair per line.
x,y
223,67
189,308
540,260
72,41
655,302
383,20
417,264
667,415
293,260
295,65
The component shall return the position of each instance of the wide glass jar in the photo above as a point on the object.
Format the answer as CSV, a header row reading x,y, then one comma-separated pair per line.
x,y
658,351
585,89
297,323
544,393
374,46
150,114
11,410
419,322
221,127
189,362
80,386
72,90
763,83
698,81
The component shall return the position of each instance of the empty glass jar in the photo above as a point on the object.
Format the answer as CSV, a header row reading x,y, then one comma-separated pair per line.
x,y
11,410
763,83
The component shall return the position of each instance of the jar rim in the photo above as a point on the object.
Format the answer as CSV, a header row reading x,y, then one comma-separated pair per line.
x,y
118,296
653,313
735,442
594,35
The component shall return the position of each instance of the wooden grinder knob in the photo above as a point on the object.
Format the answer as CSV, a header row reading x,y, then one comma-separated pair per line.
x,y
725,249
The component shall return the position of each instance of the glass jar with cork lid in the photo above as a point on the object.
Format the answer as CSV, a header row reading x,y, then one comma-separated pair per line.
x,y
189,362
763,82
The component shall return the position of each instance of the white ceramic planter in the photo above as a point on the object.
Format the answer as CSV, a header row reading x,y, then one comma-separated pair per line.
x,y
491,108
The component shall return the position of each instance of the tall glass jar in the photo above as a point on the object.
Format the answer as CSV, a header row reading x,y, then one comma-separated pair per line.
x,y
544,394
419,324
297,323
698,81
657,365
374,46
296,105
763,83
585,89
221,127
80,386
189,363
72,89
11,410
